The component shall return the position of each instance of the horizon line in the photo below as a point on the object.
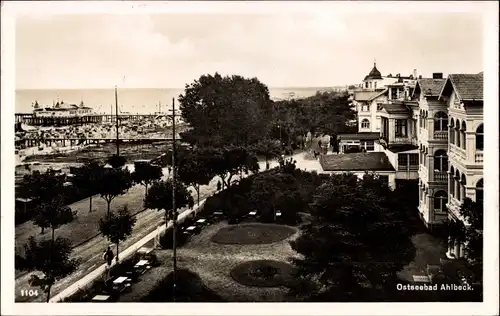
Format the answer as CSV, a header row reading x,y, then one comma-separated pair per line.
x,y
173,88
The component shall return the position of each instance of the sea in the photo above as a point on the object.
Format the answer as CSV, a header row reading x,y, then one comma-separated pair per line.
x,y
133,101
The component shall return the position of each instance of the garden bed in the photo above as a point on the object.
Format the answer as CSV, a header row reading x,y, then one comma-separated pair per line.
x,y
264,273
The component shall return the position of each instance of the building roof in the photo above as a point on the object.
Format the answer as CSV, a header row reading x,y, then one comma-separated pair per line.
x,y
368,95
360,136
468,87
374,73
429,86
371,161
395,108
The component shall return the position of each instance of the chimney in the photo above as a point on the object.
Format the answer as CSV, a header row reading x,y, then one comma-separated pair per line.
x,y
437,75
415,73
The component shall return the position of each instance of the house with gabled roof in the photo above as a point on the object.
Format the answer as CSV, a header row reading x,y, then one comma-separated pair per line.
x,y
433,147
463,96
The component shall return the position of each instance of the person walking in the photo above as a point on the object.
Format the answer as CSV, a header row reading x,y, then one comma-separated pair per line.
x,y
219,186
108,257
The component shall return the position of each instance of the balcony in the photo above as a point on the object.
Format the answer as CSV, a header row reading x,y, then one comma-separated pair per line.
x,y
457,152
440,176
441,135
478,157
454,207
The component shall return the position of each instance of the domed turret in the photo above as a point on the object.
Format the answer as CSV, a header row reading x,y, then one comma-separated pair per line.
x,y
374,74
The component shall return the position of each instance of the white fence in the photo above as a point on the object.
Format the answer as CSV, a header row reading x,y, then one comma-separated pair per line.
x,y
124,255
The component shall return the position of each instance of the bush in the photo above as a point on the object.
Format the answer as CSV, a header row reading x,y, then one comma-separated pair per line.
x,y
189,288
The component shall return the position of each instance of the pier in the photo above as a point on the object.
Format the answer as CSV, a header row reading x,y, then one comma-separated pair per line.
x,y
30,119
63,142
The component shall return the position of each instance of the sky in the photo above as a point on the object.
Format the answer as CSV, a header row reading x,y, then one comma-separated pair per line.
x,y
317,49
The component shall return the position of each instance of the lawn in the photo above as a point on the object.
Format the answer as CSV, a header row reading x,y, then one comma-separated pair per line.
x,y
213,263
252,234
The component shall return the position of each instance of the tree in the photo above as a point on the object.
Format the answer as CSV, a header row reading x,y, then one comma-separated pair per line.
x,y
146,174
53,214
229,110
51,257
328,112
116,161
42,186
355,244
473,214
113,182
117,227
87,179
159,197
276,191
193,171
268,148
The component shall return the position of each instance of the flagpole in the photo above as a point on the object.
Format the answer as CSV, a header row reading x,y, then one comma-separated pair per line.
x,y
116,115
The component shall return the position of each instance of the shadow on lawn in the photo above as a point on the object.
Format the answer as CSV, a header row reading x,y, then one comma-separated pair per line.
x,y
189,288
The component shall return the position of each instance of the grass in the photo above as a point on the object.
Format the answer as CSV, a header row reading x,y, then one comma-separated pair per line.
x,y
252,234
189,288
272,273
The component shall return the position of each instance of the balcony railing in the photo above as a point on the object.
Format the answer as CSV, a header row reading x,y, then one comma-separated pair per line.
x,y
479,157
441,135
408,168
440,176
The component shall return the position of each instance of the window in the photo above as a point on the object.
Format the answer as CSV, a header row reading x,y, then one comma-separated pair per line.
x,y
458,193
413,159
402,161
401,128
440,122
384,180
375,85
370,146
451,132
462,134
479,191
440,200
451,182
365,123
366,85
480,138
365,108
457,133
440,161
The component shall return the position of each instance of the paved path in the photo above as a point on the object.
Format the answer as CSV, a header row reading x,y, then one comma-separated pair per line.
x,y
91,251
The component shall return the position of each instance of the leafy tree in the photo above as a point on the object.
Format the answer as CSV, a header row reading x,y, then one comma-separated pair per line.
x,y
327,112
113,182
355,244
159,197
229,110
117,227
268,148
146,174
53,214
473,214
42,186
51,257
194,171
116,161
272,192
87,179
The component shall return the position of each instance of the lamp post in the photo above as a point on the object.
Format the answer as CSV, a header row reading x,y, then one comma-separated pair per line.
x,y
116,115
174,209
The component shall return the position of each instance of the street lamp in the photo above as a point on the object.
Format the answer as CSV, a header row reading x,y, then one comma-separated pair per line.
x,y
174,209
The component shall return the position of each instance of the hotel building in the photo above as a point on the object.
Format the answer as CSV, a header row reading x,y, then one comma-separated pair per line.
x,y
430,129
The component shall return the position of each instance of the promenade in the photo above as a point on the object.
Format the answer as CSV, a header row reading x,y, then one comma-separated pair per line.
x,y
89,245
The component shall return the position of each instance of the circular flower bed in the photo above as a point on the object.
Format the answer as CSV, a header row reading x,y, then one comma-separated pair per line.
x,y
263,273
252,234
